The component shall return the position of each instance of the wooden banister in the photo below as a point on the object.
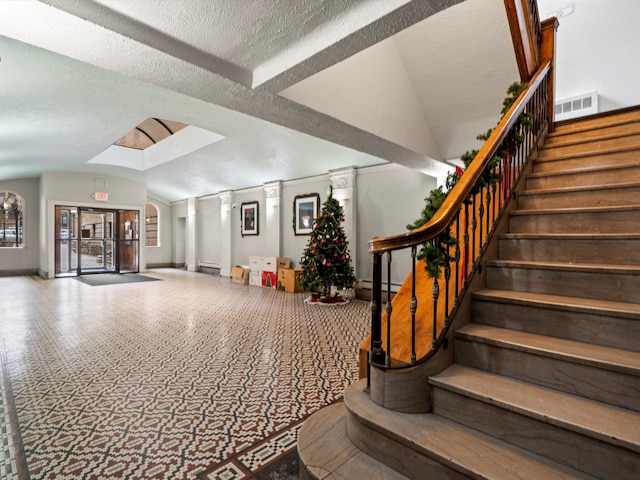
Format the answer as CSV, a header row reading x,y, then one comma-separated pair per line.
x,y
451,205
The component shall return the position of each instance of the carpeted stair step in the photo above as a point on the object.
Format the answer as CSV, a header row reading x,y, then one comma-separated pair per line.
x,y
620,283
627,172
414,444
616,248
600,322
594,438
603,374
595,220
590,196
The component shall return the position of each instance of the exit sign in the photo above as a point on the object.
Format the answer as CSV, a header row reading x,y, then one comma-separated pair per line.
x,y
101,196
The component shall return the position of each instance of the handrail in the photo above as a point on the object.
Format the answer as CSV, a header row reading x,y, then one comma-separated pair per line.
x,y
449,209
462,209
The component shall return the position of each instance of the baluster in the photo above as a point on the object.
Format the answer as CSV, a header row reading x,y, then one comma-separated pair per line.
x,y
465,243
458,256
447,279
474,225
388,310
435,293
480,217
376,354
490,212
414,305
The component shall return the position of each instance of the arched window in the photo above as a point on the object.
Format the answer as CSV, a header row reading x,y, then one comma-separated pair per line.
x,y
11,220
152,226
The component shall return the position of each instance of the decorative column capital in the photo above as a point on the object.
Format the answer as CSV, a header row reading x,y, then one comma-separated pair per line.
x,y
342,178
273,189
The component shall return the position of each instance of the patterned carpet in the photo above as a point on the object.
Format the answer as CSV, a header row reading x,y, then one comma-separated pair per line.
x,y
164,380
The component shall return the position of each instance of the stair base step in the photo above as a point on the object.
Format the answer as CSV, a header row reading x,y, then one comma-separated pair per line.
x,y
430,446
581,433
327,453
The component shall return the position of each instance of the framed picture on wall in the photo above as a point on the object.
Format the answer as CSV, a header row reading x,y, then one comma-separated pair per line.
x,y
305,210
249,218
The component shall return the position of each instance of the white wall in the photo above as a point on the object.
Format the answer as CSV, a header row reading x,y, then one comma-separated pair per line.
x,y
161,255
25,259
389,198
209,229
346,89
597,50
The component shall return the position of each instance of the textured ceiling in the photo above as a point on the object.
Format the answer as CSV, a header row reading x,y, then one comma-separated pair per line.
x,y
76,76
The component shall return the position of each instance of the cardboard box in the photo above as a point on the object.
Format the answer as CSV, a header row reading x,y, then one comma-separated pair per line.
x,y
240,275
287,279
269,279
284,262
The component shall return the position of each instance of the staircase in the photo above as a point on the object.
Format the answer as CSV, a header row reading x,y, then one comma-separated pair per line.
x,y
546,379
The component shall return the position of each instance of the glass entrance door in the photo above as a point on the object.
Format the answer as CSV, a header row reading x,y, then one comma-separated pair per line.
x,y
128,241
96,241
66,241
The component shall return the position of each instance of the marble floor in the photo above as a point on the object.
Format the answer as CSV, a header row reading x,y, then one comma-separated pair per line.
x,y
165,379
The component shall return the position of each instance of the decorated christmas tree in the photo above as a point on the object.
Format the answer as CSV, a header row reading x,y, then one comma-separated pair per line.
x,y
326,261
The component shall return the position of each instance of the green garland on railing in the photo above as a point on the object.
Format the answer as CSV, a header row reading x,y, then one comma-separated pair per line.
x,y
437,252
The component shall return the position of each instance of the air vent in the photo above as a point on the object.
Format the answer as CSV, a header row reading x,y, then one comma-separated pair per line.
x,y
586,104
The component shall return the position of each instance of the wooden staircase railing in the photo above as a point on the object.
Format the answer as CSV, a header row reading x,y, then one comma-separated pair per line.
x,y
469,214
471,210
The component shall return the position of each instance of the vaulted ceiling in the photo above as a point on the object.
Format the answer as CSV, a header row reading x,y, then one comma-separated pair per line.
x,y
284,88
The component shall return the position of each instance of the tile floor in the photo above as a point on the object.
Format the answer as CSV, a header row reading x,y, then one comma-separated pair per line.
x,y
160,380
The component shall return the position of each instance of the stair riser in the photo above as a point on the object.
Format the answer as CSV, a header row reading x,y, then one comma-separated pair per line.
x,y
604,285
588,148
595,124
587,380
585,179
596,328
623,251
580,452
553,164
595,135
576,222
583,198
397,455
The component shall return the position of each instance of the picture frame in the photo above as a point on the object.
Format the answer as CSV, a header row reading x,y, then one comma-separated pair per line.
x,y
305,211
249,219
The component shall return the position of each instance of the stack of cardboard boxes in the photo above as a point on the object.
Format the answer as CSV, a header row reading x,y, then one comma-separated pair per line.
x,y
269,272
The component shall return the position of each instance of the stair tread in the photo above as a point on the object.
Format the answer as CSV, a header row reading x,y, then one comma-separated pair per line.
x,y
608,358
581,188
584,124
455,445
586,305
559,211
548,154
583,267
573,236
595,135
573,171
608,423
326,451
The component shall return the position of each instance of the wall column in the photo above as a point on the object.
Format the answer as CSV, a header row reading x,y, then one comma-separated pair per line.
x,y
191,252
272,214
344,190
226,223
